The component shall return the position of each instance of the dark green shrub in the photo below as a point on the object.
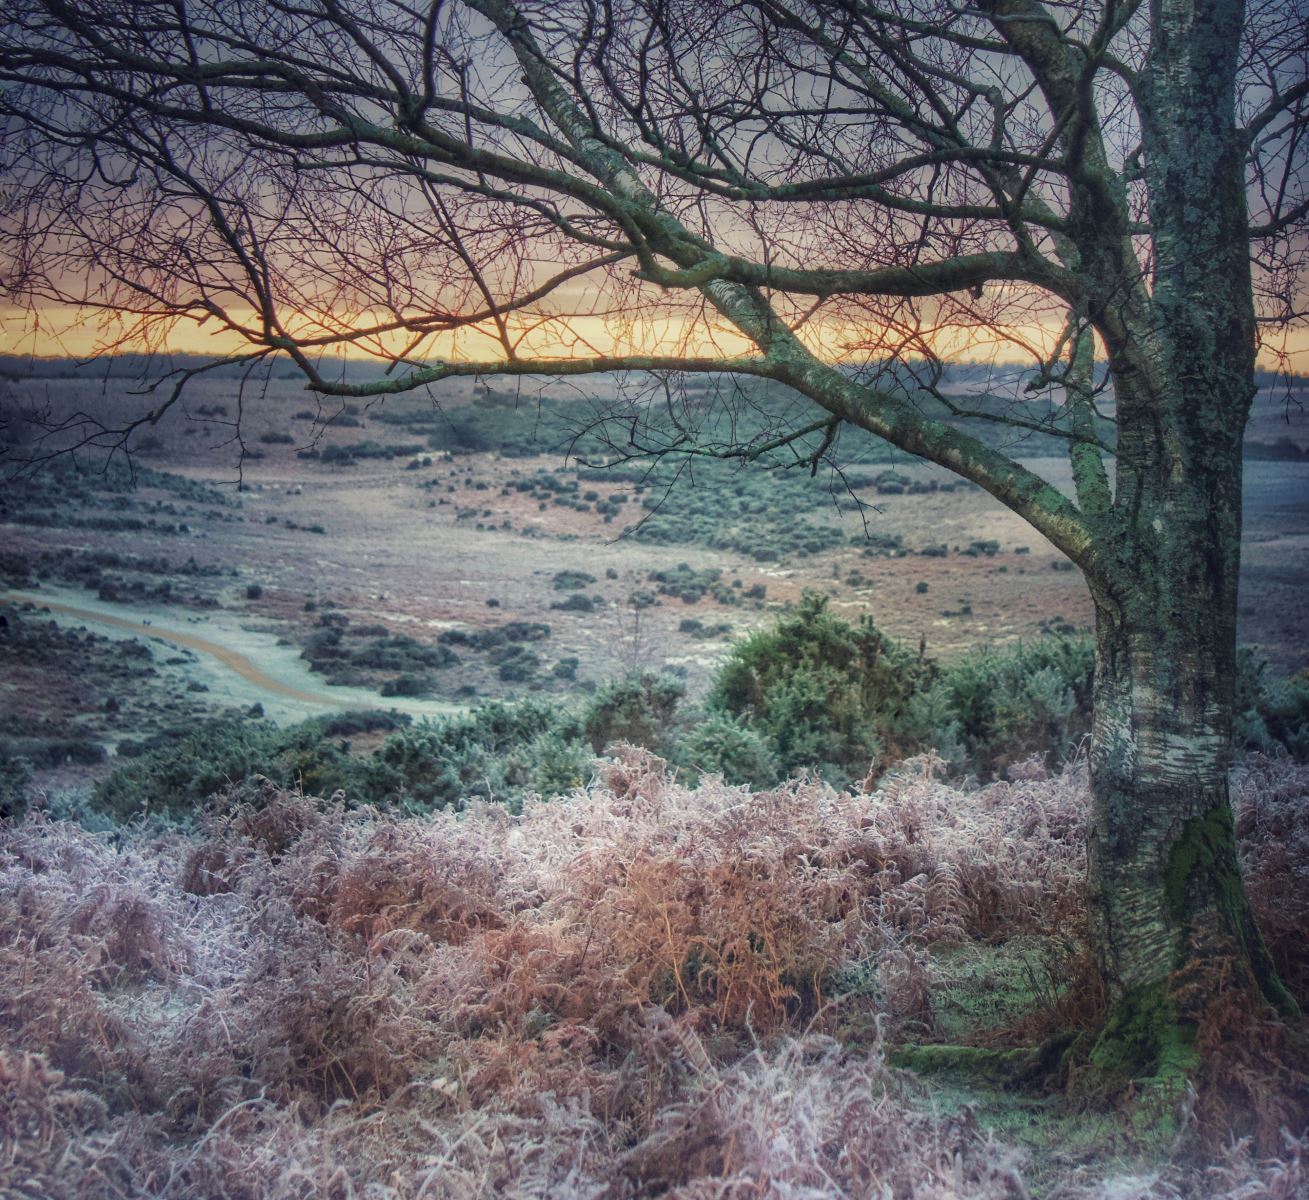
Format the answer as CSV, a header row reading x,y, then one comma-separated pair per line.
x,y
521,667
363,721
15,569
524,631
822,693
328,650
571,581
1012,702
408,685
1269,714
639,709
497,752
577,602
463,432
336,454
562,763
15,785
399,652
174,774
721,745
46,752
695,628
685,581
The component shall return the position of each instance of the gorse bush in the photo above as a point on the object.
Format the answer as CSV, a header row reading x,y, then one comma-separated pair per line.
x,y
46,752
638,709
994,706
822,693
497,752
500,751
721,745
578,602
173,775
341,653
15,784
571,581
1269,714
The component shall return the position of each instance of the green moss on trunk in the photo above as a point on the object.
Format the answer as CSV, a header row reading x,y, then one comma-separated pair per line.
x,y
1203,860
1203,869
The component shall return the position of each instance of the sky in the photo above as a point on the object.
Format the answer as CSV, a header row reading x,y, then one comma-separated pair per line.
x,y
64,332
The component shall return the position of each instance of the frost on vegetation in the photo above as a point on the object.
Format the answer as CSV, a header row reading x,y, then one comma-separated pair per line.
x,y
640,990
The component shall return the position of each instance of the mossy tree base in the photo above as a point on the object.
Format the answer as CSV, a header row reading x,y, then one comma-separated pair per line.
x,y
1025,1066
1157,1099
1148,1048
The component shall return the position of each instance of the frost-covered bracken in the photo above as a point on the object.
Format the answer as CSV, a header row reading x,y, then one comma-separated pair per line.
x,y
641,989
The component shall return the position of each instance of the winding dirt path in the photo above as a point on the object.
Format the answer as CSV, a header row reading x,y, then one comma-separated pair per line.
x,y
240,664
234,660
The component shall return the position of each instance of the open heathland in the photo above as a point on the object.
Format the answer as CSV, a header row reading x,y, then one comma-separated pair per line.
x,y
401,547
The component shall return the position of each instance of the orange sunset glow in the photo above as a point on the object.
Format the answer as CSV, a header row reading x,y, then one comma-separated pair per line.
x,y
63,331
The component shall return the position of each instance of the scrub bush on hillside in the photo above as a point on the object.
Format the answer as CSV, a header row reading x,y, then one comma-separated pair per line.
x,y
812,694
824,694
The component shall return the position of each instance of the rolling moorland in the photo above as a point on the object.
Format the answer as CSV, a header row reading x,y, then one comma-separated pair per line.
x,y
420,799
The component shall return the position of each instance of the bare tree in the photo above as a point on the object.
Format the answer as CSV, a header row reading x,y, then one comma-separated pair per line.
x,y
804,191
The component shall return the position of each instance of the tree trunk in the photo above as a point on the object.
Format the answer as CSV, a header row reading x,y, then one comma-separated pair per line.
x,y
1169,914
